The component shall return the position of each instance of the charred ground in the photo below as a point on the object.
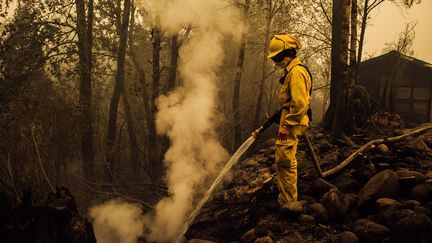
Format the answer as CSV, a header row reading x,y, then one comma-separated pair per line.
x,y
384,195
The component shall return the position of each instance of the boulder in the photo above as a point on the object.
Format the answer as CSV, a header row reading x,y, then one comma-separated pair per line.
x,y
293,237
387,203
199,241
266,239
319,212
407,183
429,174
368,231
386,209
306,219
365,171
346,237
318,135
320,186
383,149
336,203
249,237
346,182
383,166
383,184
410,204
420,177
421,192
412,227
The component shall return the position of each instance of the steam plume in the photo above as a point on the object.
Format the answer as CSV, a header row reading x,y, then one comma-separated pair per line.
x,y
188,115
117,221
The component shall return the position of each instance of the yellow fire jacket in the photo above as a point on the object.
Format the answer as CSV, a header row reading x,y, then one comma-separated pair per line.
x,y
294,95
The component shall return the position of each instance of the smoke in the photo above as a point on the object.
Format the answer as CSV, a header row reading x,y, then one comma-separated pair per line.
x,y
188,116
117,221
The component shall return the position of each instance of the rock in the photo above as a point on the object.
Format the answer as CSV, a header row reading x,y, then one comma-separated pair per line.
x,y
252,162
421,192
383,166
266,239
324,146
336,203
366,171
429,174
352,198
387,207
318,135
319,212
383,149
420,177
407,183
416,144
351,216
368,230
346,237
412,227
411,160
320,186
200,241
410,204
383,184
293,237
249,236
306,219
346,182
387,202
421,210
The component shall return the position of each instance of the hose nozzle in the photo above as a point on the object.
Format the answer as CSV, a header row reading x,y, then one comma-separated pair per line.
x,y
270,120
257,132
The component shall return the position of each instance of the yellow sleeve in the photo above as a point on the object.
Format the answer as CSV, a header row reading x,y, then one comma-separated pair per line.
x,y
299,98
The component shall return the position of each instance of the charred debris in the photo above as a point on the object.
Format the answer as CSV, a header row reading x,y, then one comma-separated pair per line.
x,y
383,195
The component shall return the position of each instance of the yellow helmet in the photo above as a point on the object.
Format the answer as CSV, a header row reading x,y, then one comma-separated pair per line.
x,y
282,42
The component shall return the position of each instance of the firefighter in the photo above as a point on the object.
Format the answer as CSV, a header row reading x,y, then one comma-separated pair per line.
x,y
294,95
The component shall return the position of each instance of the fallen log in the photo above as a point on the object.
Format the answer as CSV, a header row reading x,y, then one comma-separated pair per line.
x,y
348,160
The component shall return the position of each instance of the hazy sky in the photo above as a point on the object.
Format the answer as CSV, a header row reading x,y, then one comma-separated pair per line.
x,y
388,21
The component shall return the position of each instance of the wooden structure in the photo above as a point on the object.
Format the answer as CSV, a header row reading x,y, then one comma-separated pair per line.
x,y
402,83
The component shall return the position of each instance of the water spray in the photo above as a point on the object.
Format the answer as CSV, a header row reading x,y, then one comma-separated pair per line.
x,y
240,151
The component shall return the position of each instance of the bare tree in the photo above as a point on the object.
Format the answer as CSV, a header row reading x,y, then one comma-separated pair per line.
x,y
237,81
405,40
272,7
337,115
84,28
119,86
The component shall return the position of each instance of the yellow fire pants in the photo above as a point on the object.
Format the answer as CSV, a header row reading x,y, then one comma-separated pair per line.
x,y
286,165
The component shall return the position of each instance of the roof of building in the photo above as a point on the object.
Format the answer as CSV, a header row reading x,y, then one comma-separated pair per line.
x,y
395,54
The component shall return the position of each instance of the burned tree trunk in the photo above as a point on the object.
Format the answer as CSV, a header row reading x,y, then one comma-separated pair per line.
x,y
259,105
237,81
337,117
171,84
362,32
353,42
85,32
153,138
118,88
144,94
172,75
135,159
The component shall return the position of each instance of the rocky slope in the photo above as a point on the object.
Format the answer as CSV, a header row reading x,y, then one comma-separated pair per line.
x,y
384,195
